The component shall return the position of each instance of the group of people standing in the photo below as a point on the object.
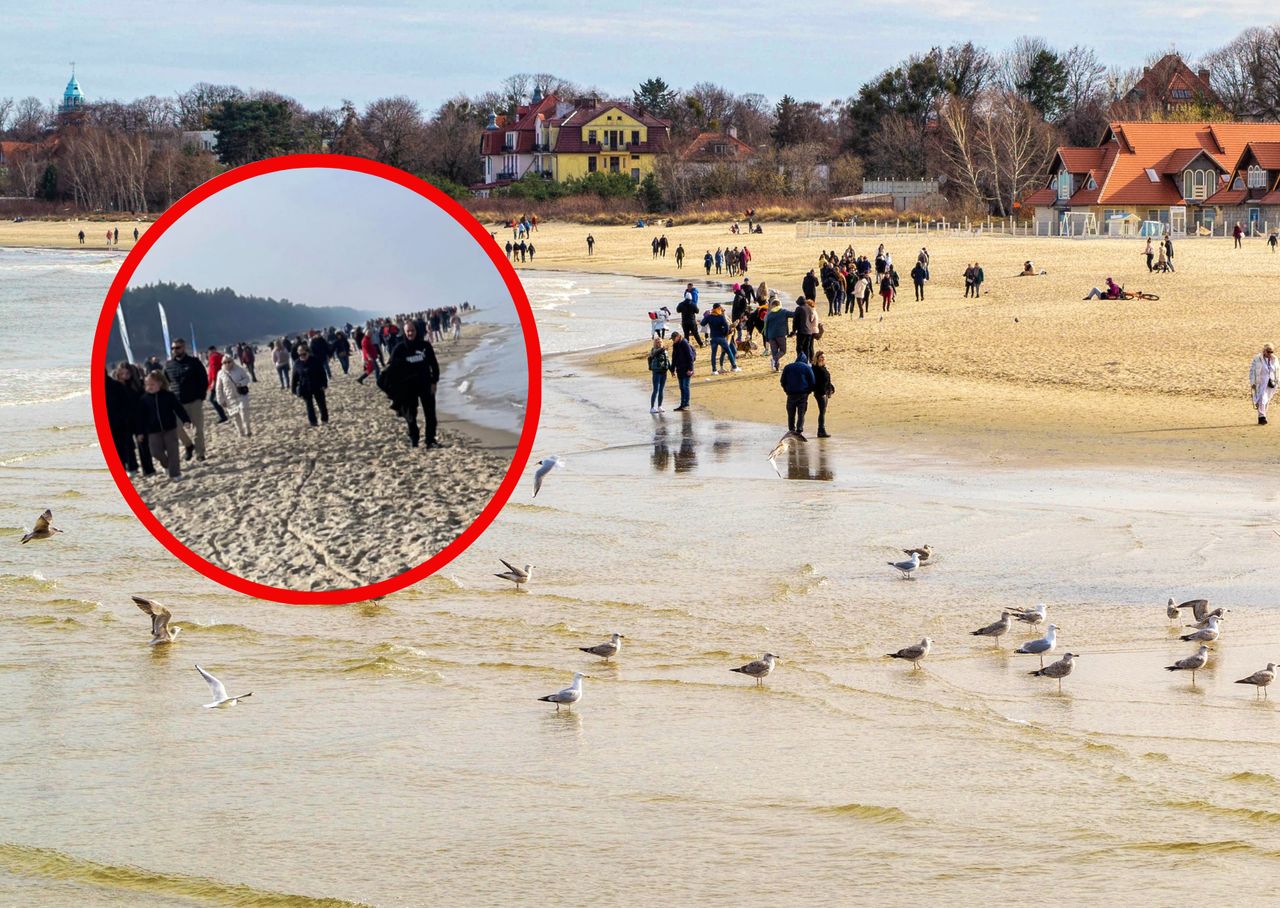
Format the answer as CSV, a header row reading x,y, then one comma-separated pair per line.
x,y
1159,255
848,280
735,260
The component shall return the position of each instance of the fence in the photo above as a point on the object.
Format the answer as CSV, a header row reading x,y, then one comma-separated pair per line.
x,y
993,226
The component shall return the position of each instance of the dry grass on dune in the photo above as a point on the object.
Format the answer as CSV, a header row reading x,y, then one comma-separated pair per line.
x,y
1029,356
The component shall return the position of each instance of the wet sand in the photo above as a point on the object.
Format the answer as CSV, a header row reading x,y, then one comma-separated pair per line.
x,y
342,505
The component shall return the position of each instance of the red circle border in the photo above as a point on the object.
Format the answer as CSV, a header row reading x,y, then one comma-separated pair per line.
x,y
533,353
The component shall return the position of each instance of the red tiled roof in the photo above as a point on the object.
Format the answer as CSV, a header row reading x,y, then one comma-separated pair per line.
x,y
1267,154
1170,73
582,115
702,148
572,142
1227,197
1177,161
1041,198
1271,198
1078,159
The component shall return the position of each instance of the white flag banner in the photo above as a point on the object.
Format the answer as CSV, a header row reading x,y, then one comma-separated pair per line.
x,y
124,335
164,324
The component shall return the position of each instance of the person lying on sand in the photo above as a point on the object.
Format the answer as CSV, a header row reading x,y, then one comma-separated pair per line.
x,y
1029,270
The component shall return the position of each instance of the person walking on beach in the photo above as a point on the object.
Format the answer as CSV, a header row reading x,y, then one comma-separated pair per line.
x,y
680,256
1237,234
135,234
1168,251
1150,254
215,366
510,250
232,390
707,261
1263,377
918,279
776,330
798,381
720,259
978,277
886,292
130,380
591,245
968,281
822,390
1273,240
309,383
280,359
659,366
162,413
682,359
411,378
188,381
122,417
117,236
662,246
247,357
688,310
81,237
369,354
718,329
320,352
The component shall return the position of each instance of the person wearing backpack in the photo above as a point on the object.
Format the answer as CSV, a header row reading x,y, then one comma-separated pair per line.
x,y
659,366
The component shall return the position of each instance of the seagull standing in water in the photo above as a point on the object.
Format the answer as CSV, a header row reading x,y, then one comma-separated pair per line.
x,y
1216,613
44,528
906,566
567,697
913,654
1208,635
545,466
514,574
160,630
1192,663
759,669
781,449
1059,669
1039,647
220,697
605,651
1032,616
1261,680
996,629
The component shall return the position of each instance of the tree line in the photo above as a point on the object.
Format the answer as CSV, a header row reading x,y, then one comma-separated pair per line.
x,y
984,121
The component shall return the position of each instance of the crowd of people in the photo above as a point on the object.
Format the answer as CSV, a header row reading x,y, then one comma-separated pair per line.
x,y
156,409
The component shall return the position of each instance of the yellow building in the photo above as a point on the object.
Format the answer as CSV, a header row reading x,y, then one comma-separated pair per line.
x,y
563,140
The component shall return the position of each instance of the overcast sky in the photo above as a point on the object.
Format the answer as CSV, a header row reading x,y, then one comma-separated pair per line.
x,y
320,51
324,237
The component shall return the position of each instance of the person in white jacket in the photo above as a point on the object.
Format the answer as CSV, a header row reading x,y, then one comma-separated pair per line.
x,y
232,391
1263,378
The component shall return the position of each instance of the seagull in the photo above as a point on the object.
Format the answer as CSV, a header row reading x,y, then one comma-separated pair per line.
x,y
1039,647
1032,616
1261,679
1199,607
160,630
906,566
514,574
220,697
996,629
1216,613
924,551
567,697
1059,669
1172,610
605,651
759,669
1208,635
44,528
545,466
782,447
1191,664
913,654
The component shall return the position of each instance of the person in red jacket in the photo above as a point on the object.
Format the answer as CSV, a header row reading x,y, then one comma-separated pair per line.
x,y
215,366
369,350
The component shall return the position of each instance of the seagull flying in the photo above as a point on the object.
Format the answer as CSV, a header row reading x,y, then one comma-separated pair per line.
x,y
906,566
1191,664
514,574
1032,616
220,697
913,654
759,669
1208,635
1216,613
1261,679
1059,669
996,629
1199,607
160,630
545,466
567,697
44,528
605,651
1039,647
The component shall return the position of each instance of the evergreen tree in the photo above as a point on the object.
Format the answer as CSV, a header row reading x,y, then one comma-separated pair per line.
x,y
1044,83
655,96
48,186
251,130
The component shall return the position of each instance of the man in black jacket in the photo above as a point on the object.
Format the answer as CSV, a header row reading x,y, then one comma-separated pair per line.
x,y
682,357
189,382
321,351
688,310
410,378
309,383
810,285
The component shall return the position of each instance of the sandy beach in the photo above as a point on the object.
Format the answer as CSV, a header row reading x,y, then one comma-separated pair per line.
x,y
336,506
1027,373
45,234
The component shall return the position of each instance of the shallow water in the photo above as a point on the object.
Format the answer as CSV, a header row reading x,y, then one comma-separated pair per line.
x,y
395,754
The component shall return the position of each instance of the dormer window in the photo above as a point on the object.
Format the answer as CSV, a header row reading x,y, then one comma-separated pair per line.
x,y
1257,177
1180,94
591,136
1064,185
511,140
1093,184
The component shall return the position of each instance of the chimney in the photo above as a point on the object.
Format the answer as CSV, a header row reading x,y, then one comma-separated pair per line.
x,y
732,132
1145,70
1204,75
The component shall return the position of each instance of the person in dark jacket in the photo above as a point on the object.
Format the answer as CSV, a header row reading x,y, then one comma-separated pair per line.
x,y
189,381
798,381
411,377
822,391
718,329
810,285
130,377
321,351
659,366
342,350
777,327
918,275
160,414
688,310
682,359
122,418
309,382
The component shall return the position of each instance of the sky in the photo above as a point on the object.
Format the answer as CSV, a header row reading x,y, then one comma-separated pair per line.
x,y
325,237
321,52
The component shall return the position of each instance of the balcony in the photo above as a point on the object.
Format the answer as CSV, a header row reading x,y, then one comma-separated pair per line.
x,y
507,175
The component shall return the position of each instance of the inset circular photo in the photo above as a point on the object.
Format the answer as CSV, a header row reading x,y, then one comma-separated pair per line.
x,y
316,379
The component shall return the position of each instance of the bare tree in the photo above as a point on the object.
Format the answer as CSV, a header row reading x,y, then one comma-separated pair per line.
x,y
6,108
453,142
30,119
193,105
394,127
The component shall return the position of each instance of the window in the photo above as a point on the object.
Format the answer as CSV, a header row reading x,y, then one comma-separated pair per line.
x,y
1257,178
720,149
614,165
1093,184
1180,94
1064,185
591,136
635,174
591,164
1151,174
1238,184
1188,183
635,137
1199,190
635,157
